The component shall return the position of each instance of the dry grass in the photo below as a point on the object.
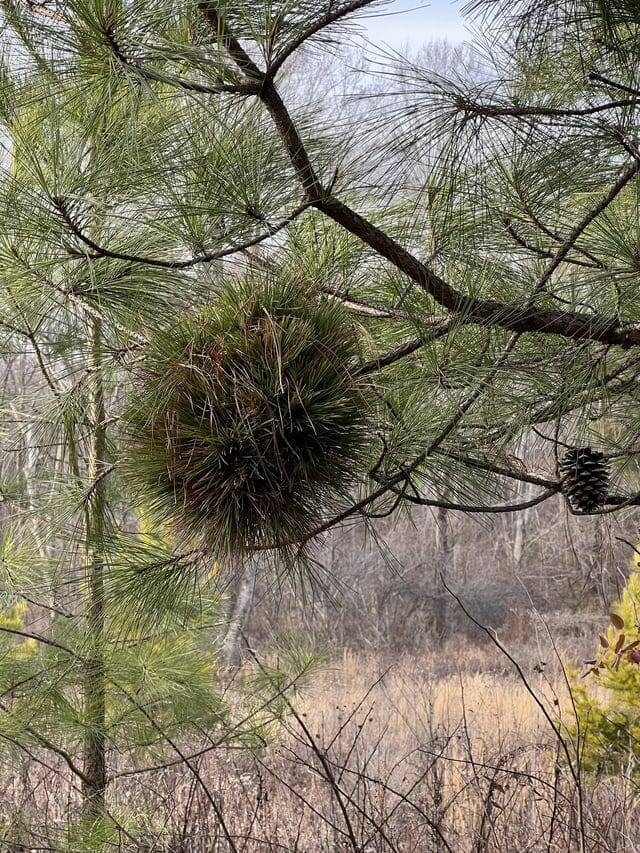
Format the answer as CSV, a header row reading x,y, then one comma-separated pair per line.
x,y
423,753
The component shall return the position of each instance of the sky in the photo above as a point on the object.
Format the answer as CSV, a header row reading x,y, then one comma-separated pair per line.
x,y
438,19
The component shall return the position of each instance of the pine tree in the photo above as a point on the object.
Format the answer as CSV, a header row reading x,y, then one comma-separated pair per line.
x,y
107,659
203,152
478,235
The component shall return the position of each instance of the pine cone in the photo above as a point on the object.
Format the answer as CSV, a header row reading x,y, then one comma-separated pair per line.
x,y
585,478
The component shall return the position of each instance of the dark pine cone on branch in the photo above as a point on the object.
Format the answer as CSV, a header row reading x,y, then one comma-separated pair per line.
x,y
585,478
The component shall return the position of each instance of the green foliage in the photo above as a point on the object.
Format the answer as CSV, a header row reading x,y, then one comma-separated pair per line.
x,y
249,420
160,255
608,704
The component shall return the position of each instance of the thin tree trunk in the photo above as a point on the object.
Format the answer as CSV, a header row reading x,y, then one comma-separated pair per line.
x,y
444,568
522,518
595,585
232,646
521,524
94,784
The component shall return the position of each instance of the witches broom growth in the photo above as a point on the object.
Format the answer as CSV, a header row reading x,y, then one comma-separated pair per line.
x,y
249,420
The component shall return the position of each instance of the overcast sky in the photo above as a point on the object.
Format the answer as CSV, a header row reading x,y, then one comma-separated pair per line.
x,y
438,19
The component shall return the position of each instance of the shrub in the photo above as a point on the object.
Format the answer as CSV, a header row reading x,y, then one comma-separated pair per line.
x,y
608,717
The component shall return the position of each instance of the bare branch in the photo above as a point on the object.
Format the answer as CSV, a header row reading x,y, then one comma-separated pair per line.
x,y
494,639
475,508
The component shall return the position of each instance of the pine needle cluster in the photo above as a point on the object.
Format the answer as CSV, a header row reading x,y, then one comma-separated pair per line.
x,y
250,422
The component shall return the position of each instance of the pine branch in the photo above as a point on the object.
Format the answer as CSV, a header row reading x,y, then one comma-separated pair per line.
x,y
103,252
407,348
553,235
187,761
365,307
511,473
469,107
326,20
30,635
48,745
516,318
478,508
544,253
627,175
600,78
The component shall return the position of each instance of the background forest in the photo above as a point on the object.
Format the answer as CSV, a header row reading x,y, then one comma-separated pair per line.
x,y
319,428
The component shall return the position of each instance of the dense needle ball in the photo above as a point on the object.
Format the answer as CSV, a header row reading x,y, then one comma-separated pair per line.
x,y
249,422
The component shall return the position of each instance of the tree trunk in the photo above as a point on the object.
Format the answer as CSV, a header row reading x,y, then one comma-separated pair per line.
x,y
444,568
94,784
595,585
232,646
520,525
522,518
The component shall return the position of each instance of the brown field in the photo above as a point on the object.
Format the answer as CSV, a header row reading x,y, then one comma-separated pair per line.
x,y
417,753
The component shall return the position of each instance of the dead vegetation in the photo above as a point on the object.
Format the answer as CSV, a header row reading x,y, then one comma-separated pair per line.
x,y
378,755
